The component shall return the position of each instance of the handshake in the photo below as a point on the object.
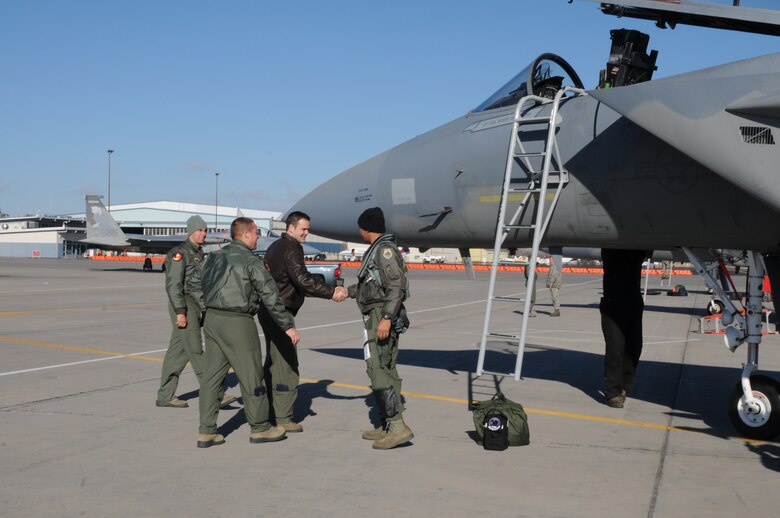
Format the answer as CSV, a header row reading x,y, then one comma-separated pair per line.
x,y
340,294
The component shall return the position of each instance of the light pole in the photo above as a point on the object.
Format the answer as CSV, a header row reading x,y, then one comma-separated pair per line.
x,y
216,201
109,178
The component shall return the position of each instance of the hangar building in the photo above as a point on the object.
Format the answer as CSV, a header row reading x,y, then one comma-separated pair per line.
x,y
58,236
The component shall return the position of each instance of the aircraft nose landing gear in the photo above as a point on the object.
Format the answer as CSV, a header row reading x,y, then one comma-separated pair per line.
x,y
754,405
759,418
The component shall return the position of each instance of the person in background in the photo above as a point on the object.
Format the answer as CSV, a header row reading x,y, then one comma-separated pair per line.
x,y
185,300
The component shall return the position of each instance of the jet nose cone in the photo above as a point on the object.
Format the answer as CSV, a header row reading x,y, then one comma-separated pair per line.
x,y
335,205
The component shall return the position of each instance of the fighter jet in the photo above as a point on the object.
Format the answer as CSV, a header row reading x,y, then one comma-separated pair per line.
x,y
104,232
687,162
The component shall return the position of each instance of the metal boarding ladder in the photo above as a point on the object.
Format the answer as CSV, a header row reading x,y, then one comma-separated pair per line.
x,y
537,184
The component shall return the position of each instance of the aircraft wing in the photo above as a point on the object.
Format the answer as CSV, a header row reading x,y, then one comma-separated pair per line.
x,y
715,16
174,240
713,118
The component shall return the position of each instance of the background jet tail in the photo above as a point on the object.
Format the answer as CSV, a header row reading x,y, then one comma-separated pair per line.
x,y
102,229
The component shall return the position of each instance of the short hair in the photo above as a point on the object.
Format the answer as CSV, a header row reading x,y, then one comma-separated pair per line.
x,y
239,226
295,216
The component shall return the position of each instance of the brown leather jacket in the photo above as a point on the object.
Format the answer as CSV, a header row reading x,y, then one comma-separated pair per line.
x,y
284,259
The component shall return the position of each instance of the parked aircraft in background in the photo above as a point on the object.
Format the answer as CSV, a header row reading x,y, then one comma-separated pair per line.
x,y
681,163
104,232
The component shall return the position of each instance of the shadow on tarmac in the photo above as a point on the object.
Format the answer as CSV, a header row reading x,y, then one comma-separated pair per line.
x,y
768,453
691,391
694,312
307,393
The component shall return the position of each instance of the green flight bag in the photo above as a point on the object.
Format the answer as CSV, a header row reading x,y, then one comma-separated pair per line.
x,y
500,422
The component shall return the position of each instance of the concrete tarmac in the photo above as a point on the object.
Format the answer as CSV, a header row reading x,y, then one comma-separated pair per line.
x,y
81,346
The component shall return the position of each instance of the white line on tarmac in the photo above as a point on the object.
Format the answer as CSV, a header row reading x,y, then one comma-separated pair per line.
x,y
78,363
125,355
78,288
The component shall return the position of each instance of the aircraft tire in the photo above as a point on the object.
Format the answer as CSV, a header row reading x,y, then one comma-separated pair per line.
x,y
715,307
764,425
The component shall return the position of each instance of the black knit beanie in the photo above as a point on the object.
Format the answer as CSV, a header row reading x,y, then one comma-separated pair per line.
x,y
372,220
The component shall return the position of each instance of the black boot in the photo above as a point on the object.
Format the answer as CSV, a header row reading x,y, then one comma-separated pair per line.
x,y
377,433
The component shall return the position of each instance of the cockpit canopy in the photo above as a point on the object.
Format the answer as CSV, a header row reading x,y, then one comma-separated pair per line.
x,y
546,74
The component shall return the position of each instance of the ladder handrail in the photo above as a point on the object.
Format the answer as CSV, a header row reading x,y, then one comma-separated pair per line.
x,y
538,230
552,147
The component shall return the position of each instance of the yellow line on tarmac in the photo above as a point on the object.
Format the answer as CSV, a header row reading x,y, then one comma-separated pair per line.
x,y
531,410
79,349
88,308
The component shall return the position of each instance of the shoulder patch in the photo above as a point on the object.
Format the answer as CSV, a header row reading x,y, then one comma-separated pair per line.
x,y
387,253
177,256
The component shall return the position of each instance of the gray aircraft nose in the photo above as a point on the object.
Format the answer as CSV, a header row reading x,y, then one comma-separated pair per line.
x,y
335,205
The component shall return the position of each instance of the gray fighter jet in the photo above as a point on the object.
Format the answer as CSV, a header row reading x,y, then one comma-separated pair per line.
x,y
689,162
104,232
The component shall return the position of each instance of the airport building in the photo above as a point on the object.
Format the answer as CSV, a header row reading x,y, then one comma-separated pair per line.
x,y
59,236
41,236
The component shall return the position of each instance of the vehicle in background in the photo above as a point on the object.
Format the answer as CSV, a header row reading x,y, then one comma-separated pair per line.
x,y
330,273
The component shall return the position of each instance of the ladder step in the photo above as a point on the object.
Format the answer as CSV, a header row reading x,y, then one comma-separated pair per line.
x,y
541,153
523,189
504,335
496,373
533,120
510,227
510,299
552,176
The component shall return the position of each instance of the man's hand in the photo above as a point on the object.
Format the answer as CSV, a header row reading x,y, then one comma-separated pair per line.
x,y
383,329
181,321
340,294
295,337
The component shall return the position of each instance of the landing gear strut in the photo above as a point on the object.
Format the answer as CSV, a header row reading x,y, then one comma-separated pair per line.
x,y
754,405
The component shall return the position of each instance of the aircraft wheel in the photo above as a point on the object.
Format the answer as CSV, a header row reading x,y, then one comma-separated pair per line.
x,y
162,267
763,420
715,307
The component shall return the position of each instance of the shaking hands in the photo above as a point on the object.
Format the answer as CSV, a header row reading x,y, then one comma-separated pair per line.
x,y
340,294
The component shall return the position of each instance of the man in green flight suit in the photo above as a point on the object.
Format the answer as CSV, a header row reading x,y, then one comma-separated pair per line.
x,y
185,301
380,291
235,284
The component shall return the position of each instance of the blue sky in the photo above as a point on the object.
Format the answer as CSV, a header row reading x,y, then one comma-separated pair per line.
x,y
275,96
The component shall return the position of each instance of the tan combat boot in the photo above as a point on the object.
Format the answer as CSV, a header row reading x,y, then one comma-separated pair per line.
x,y
375,434
227,400
290,426
275,433
173,403
397,433
207,440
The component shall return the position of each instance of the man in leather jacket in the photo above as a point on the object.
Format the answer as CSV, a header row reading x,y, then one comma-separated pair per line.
x,y
284,259
380,292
